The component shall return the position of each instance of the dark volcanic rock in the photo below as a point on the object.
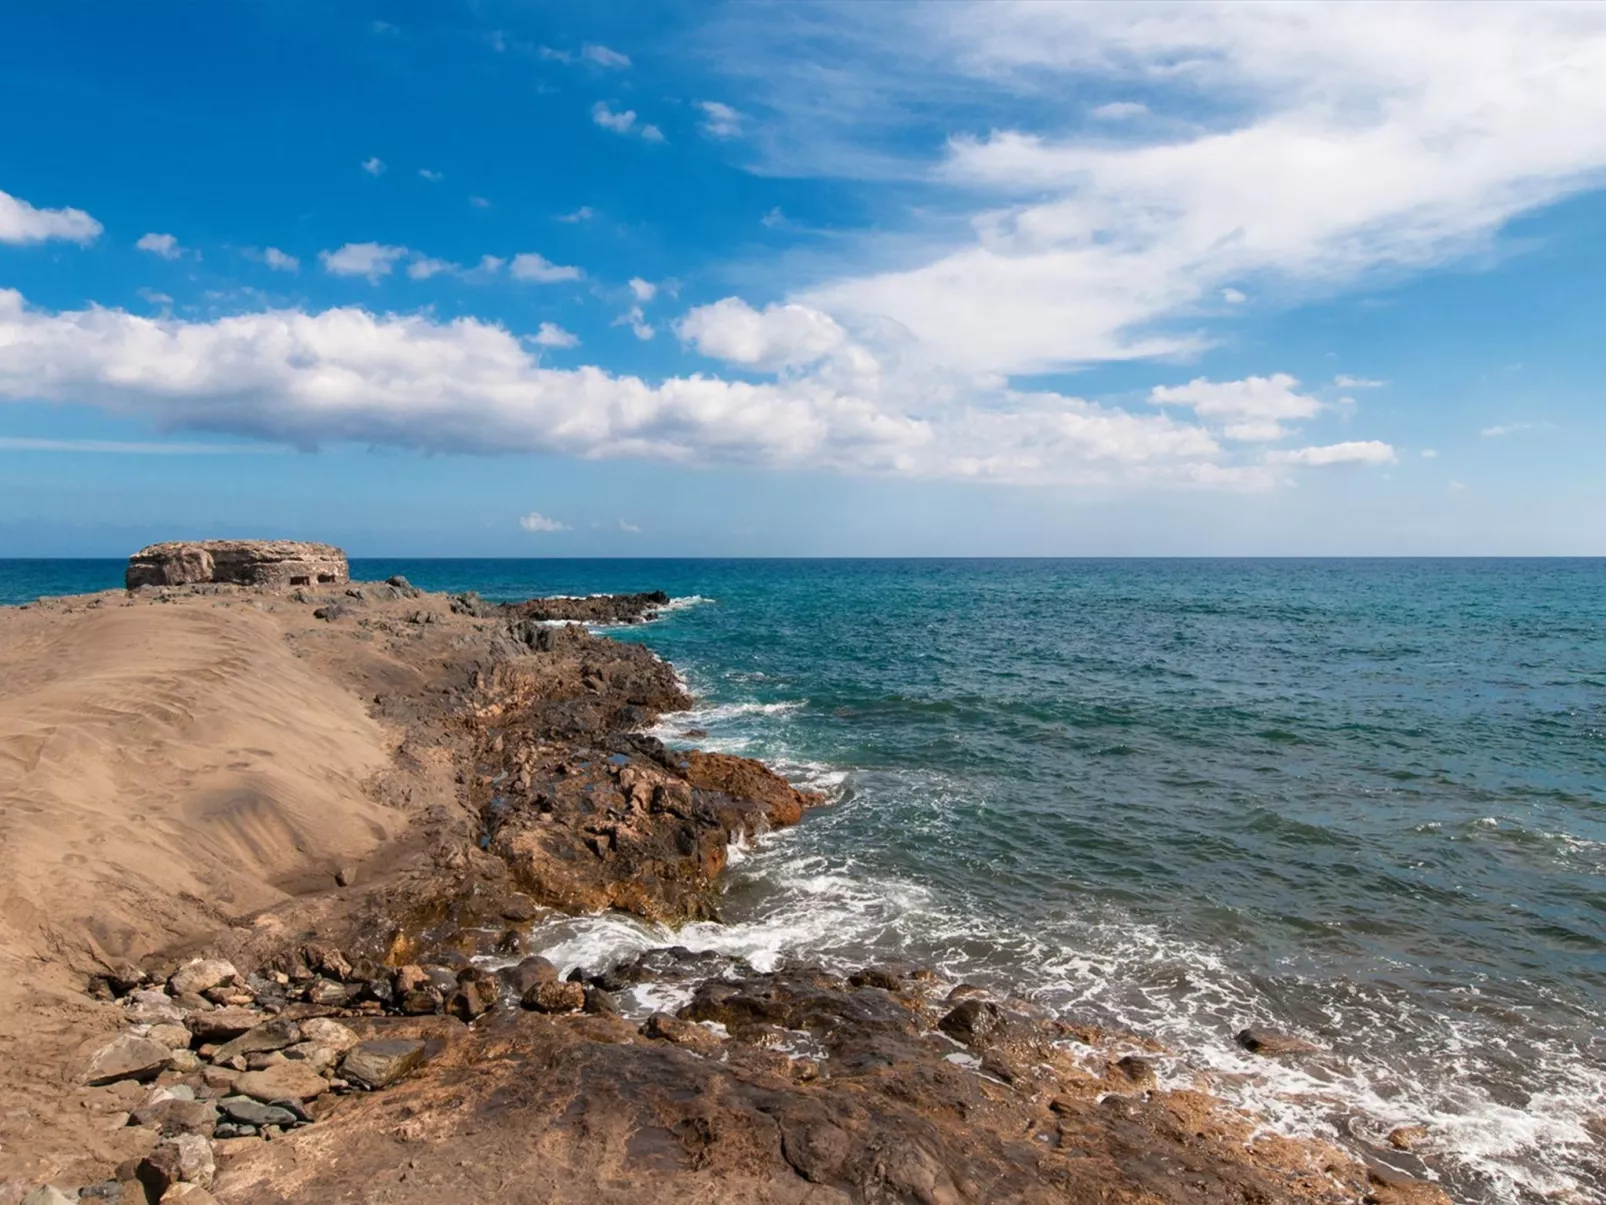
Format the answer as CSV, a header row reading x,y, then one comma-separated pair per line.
x,y
598,608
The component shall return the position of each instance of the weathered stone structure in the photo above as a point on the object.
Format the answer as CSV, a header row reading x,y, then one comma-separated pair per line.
x,y
240,562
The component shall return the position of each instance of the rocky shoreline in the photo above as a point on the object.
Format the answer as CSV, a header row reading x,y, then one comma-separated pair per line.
x,y
384,1034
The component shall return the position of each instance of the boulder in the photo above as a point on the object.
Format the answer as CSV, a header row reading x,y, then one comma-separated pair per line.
x,y
222,1024
1273,1044
328,1033
174,1037
177,1116
195,977
555,998
288,1080
245,1111
271,1035
382,1061
973,1021
528,973
127,1057
276,563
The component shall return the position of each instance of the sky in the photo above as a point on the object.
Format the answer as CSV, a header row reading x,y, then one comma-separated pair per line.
x,y
499,278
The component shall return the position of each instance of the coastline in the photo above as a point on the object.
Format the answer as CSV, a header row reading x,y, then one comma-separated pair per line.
x,y
499,734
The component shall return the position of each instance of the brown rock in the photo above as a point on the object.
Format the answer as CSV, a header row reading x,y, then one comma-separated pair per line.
x,y
222,1024
275,563
127,1057
270,1035
1273,1044
195,977
289,1080
555,998
973,1022
1407,1138
528,973
382,1061
665,1028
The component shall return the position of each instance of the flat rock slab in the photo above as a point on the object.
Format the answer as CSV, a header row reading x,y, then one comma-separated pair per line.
x,y
222,1024
127,1057
255,1113
283,1081
382,1061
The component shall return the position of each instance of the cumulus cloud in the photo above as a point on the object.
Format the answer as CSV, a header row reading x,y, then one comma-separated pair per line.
x,y
779,336
643,290
1418,131
424,267
279,261
537,522
307,379
553,335
372,260
1254,408
604,57
531,266
1344,381
163,245
720,120
1359,451
636,319
623,123
374,166
21,223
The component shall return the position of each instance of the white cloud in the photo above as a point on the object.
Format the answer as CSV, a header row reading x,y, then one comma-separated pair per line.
x,y
1254,408
1344,381
553,335
623,123
279,261
779,336
531,266
1430,453
1120,110
584,214
424,267
154,297
164,245
720,120
1361,451
466,386
1497,431
629,528
373,166
432,176
1344,140
603,57
21,223
546,52
126,447
637,321
1234,296
643,290
537,522
372,260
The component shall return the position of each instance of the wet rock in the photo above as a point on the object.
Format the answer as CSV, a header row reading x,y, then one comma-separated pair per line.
x,y
1136,1071
528,973
600,1003
1407,1138
554,998
599,608
422,1002
974,1022
288,1079
477,992
196,976
127,1057
382,1061
1273,1044
665,1028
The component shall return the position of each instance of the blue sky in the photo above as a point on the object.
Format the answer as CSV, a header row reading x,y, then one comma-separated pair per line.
x,y
629,279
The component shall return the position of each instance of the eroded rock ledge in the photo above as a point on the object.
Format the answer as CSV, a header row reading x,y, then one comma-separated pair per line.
x,y
390,1038
273,563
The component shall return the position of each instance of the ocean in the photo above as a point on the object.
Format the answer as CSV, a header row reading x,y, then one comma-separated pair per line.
x,y
1360,801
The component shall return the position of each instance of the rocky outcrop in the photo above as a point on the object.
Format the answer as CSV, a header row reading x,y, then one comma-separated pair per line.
x,y
598,608
274,563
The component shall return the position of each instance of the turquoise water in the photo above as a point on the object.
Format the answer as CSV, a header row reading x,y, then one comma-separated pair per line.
x,y
1364,801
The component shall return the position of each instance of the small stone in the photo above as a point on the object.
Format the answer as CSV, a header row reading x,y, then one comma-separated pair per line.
x,y
261,1062
47,1194
229,1130
176,1116
195,1164
555,998
382,1061
328,1033
184,1062
410,979
319,1058
222,1024
328,961
345,876
246,1111
195,977
972,1021
127,1057
328,992
288,1079
174,1037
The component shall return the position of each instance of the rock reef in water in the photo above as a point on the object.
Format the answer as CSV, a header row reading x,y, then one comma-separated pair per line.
x,y
598,608
271,563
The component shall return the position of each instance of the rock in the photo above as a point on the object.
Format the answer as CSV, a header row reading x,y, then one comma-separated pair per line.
x,y
1137,1071
328,993
600,1003
1407,1138
248,1112
270,1035
597,608
276,563
174,1037
330,613
1272,1044
554,998
410,978
422,1002
327,961
222,1024
184,1062
328,1033
398,582
528,973
188,1194
149,1007
382,1061
319,1058
345,876
195,1164
159,1171
196,976
47,1194
288,1079
973,1022
127,1057
665,1028
178,1116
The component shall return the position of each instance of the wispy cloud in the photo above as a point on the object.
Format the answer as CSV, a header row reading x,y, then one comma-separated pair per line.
x,y
720,120
553,335
1359,451
1345,381
629,528
584,214
372,260
117,447
1500,429
1253,409
164,246
374,165
602,56
532,266
22,223
433,177
279,261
